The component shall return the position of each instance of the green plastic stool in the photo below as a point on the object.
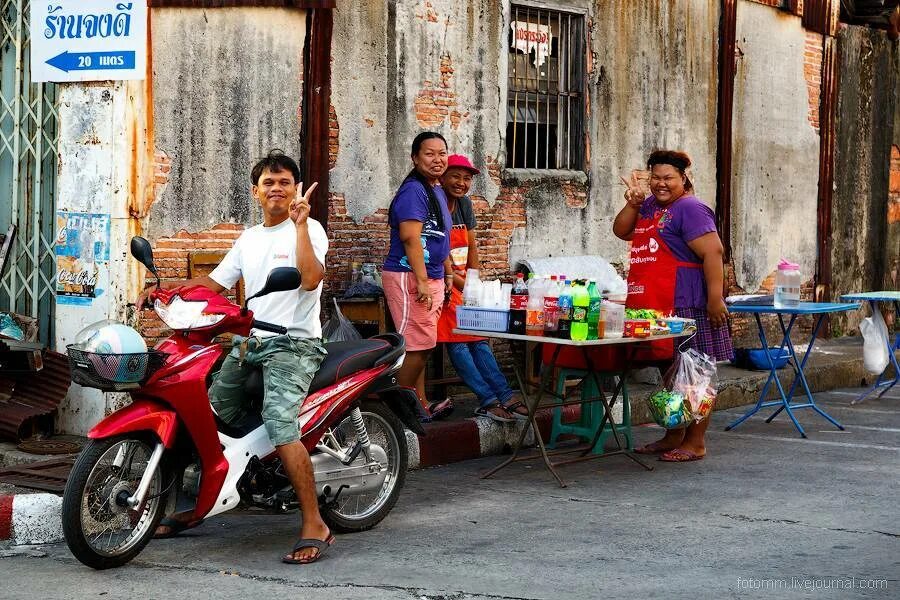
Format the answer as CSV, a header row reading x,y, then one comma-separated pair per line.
x,y
591,414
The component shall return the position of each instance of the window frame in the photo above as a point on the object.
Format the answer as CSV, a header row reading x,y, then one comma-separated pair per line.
x,y
571,147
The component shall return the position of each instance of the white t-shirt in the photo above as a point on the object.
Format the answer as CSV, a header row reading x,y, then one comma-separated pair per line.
x,y
255,253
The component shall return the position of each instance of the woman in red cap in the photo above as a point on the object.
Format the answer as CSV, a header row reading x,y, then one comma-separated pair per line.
x,y
471,356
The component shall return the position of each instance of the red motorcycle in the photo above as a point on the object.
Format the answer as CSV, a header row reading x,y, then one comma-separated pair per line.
x,y
352,423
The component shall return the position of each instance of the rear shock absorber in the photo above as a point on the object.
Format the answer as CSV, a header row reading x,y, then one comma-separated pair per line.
x,y
362,438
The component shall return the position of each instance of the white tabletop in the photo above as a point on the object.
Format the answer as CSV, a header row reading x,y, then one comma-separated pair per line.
x,y
563,342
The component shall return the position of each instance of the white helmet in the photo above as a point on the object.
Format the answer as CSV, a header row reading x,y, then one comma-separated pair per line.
x,y
107,341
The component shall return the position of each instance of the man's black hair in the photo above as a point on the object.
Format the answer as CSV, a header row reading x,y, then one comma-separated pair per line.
x,y
275,161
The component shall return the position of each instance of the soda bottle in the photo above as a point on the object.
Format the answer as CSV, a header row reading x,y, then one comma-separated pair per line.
x,y
551,307
594,313
564,307
534,316
581,301
518,304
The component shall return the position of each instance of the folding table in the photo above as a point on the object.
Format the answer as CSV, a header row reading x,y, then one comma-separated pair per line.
x,y
533,401
784,403
873,298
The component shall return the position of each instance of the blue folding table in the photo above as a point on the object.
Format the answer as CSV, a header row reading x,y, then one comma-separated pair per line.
x,y
873,298
784,403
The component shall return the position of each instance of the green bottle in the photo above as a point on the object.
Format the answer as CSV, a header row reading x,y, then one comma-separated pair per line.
x,y
581,301
594,311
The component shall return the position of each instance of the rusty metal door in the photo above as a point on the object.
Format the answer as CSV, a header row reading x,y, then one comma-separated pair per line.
x,y
29,136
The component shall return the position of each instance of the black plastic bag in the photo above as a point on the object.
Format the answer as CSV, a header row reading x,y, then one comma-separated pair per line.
x,y
339,328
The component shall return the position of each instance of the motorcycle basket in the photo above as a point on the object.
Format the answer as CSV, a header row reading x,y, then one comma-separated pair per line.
x,y
113,372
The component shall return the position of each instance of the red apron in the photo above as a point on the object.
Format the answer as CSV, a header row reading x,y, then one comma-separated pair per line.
x,y
651,278
459,258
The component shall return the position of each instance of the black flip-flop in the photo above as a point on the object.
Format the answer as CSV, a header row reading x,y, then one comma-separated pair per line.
x,y
485,411
511,409
320,545
175,527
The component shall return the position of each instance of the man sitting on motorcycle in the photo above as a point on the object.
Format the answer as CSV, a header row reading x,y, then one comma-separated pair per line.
x,y
286,237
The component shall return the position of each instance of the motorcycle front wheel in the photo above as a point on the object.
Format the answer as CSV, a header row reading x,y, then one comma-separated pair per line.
x,y
101,530
360,512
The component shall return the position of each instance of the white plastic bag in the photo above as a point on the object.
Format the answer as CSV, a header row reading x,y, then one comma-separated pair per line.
x,y
875,343
339,328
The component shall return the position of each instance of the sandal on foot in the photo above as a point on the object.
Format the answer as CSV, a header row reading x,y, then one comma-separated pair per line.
x,y
652,448
320,545
175,527
440,410
517,409
679,455
488,411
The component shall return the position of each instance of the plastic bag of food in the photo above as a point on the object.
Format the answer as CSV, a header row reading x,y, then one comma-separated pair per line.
x,y
339,328
689,391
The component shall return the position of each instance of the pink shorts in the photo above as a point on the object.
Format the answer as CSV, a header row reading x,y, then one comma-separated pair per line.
x,y
413,320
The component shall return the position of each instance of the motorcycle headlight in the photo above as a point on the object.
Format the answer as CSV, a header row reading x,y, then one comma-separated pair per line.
x,y
180,314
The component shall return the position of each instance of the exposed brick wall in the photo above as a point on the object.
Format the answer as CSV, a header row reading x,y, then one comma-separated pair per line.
x,y
436,102
334,137
812,72
894,195
171,256
426,12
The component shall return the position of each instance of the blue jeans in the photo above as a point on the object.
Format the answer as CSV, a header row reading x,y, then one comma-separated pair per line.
x,y
475,364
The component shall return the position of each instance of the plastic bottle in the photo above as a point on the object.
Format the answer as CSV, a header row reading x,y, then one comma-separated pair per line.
x,y
534,316
596,322
518,304
581,301
551,307
787,284
564,307
472,288
615,319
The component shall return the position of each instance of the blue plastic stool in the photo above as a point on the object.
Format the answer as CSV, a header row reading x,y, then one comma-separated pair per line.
x,y
591,414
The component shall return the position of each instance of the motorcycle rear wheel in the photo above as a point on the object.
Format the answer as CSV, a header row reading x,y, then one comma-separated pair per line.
x,y
364,511
100,531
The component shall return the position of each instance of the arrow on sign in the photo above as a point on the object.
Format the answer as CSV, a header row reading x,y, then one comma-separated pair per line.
x,y
92,61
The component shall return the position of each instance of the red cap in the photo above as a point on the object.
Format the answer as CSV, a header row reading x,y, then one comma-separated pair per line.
x,y
460,161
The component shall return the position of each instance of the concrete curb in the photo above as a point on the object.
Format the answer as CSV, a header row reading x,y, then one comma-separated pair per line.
x,y
30,519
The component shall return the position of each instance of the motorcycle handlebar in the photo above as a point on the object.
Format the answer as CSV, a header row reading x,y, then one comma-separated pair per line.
x,y
269,327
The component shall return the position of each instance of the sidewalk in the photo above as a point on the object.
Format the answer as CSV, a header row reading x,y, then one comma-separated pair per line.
x,y
834,364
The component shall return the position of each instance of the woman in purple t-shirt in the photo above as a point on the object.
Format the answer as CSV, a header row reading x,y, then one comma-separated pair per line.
x,y
676,265
417,263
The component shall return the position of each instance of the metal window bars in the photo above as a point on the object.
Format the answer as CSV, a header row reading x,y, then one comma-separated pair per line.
x,y
29,156
545,109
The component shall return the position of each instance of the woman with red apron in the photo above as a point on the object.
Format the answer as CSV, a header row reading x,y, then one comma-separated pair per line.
x,y
676,267
471,356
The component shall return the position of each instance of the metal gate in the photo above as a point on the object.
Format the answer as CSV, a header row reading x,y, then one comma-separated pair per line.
x,y
29,136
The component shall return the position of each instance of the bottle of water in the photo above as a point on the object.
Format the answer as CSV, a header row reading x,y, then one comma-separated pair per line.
x,y
787,285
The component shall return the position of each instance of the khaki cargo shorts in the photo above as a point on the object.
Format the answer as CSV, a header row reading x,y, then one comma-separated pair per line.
x,y
288,367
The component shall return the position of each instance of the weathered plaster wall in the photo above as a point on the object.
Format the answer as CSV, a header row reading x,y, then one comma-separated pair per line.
x,y
776,148
862,254
226,89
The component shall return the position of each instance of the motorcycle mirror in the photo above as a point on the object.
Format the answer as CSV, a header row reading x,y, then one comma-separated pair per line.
x,y
143,252
281,279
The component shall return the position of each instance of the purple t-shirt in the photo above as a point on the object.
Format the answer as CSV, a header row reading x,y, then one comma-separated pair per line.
x,y
679,223
411,204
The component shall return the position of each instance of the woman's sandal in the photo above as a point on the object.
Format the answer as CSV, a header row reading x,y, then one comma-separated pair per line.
x,y
488,411
320,545
440,410
517,409
652,448
679,455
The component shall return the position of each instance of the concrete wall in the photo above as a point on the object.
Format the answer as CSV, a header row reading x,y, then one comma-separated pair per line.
x,y
776,148
651,71
862,253
226,89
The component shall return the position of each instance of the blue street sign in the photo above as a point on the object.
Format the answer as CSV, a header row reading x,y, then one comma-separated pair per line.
x,y
92,61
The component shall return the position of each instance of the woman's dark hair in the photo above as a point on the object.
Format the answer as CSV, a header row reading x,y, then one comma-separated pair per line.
x,y
434,204
680,160
275,161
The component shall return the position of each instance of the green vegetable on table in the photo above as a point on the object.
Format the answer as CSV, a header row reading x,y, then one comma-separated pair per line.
x,y
641,313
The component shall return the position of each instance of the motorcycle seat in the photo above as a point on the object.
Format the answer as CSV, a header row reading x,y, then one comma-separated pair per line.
x,y
344,358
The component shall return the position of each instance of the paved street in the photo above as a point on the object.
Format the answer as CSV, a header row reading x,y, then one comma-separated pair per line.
x,y
765,515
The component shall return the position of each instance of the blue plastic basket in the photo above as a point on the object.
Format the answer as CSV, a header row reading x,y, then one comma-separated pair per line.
x,y
755,358
482,319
